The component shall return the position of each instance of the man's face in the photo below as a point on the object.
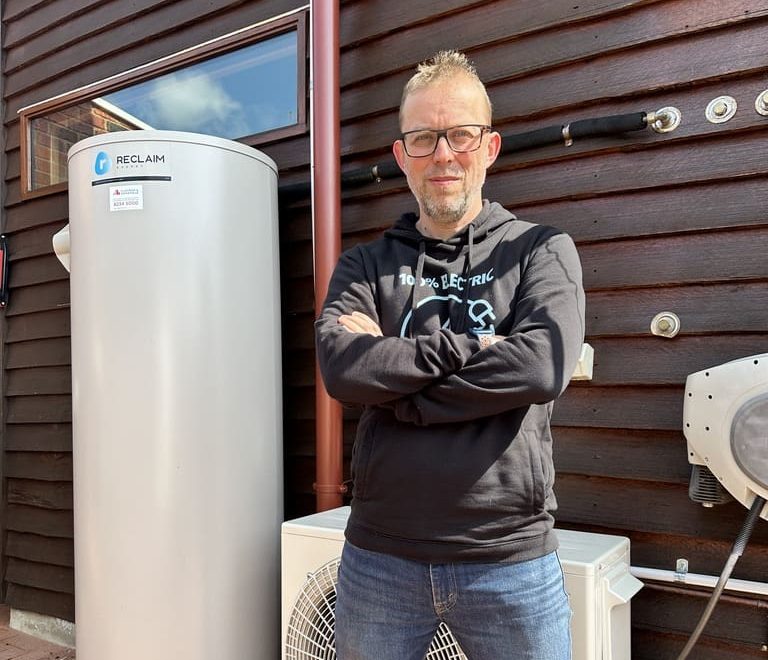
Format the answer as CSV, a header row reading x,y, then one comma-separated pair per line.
x,y
447,185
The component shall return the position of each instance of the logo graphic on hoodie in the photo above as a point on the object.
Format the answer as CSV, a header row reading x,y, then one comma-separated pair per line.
x,y
479,311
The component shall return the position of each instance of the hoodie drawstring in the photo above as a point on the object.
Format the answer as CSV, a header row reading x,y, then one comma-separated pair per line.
x,y
467,275
417,281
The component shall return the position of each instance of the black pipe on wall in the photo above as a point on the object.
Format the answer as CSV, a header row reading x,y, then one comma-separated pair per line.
x,y
541,137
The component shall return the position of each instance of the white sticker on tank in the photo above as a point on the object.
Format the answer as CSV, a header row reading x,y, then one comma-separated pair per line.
x,y
126,198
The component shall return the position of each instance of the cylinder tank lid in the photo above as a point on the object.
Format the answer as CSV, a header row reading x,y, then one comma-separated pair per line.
x,y
128,137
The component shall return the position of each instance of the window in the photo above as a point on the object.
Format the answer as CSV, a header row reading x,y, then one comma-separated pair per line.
x,y
249,86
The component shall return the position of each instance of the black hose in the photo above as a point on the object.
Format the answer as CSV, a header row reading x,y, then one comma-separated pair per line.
x,y
738,548
612,125
541,137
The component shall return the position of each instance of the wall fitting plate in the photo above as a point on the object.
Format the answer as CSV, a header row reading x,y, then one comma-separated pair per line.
x,y
665,120
761,103
721,109
665,324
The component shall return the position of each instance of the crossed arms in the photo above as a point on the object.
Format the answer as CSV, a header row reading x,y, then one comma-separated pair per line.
x,y
447,376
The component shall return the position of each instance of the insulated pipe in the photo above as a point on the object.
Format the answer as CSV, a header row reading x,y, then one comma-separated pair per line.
x,y
326,205
510,143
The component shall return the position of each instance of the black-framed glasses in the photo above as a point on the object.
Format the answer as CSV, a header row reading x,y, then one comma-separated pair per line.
x,y
461,139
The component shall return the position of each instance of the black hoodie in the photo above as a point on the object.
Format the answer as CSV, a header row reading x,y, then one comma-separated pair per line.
x,y
453,455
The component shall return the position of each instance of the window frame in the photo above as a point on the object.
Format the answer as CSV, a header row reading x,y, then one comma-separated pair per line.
x,y
295,21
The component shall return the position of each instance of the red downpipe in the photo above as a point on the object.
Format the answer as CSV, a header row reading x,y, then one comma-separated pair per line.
x,y
326,189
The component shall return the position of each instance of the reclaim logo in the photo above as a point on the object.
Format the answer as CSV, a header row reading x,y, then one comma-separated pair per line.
x,y
102,163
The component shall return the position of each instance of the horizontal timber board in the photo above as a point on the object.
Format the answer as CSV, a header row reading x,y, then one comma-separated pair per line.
x,y
167,30
658,609
40,576
687,259
26,40
652,507
717,205
705,556
716,308
42,466
658,408
38,353
37,270
362,21
584,49
38,380
660,361
621,453
498,20
45,210
714,159
15,9
35,241
42,549
41,325
52,603
34,520
656,645
41,408
39,298
44,494
38,437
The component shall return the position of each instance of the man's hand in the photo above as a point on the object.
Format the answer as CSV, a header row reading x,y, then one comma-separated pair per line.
x,y
360,323
489,340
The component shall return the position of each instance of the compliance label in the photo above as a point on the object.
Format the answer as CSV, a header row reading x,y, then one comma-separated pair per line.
x,y
126,198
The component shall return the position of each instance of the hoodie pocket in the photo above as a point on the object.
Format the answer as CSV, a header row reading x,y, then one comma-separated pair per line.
x,y
361,455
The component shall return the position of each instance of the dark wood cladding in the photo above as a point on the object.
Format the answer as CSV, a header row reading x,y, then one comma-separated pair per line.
x,y
50,48
663,222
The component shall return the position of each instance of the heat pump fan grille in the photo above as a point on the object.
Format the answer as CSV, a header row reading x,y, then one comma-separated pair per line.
x,y
311,631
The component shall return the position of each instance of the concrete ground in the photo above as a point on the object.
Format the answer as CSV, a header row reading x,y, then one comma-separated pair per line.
x,y
18,646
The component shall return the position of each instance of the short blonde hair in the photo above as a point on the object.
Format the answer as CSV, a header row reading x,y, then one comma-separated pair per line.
x,y
446,64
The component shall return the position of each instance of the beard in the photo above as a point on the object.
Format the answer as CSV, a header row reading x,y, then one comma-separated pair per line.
x,y
444,209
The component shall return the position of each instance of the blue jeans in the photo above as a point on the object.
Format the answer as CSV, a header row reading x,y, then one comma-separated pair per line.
x,y
389,608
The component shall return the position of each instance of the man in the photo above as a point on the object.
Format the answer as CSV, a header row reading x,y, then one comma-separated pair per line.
x,y
455,332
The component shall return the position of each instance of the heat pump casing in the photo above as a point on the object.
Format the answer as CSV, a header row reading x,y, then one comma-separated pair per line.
x,y
596,568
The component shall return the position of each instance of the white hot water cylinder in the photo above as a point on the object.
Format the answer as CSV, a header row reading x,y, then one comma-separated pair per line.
x,y
176,397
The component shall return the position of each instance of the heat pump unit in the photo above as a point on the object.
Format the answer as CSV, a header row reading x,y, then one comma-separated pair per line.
x,y
597,580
